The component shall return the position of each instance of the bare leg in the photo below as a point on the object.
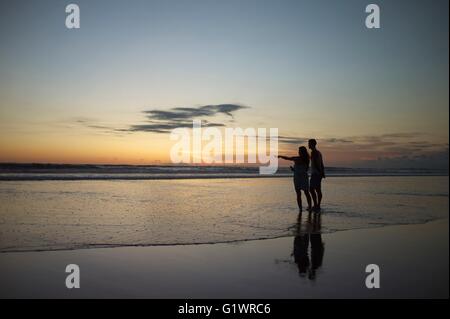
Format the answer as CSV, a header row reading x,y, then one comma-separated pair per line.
x,y
299,200
308,199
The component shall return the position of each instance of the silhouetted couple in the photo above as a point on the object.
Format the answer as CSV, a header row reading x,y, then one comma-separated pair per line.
x,y
310,187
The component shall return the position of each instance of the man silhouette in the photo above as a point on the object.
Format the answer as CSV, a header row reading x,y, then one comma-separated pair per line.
x,y
317,173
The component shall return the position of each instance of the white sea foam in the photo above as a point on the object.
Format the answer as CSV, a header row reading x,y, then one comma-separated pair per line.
x,y
31,172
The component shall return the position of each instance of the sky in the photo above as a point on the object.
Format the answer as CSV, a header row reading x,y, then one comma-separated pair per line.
x,y
110,91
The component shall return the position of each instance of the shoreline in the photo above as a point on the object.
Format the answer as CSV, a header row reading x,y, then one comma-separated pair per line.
x,y
249,269
190,177
237,241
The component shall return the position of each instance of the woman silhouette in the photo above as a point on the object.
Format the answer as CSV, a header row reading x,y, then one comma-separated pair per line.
x,y
301,181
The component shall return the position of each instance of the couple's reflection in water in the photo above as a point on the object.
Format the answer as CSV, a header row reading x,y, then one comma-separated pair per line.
x,y
308,245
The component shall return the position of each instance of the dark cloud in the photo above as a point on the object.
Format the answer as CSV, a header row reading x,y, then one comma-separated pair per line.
x,y
338,140
438,159
163,121
190,113
401,135
384,150
304,140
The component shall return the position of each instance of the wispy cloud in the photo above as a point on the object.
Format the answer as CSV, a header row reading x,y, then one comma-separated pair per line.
x,y
189,113
394,149
165,127
410,149
91,123
163,121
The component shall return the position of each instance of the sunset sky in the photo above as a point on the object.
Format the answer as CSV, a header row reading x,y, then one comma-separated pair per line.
x,y
103,93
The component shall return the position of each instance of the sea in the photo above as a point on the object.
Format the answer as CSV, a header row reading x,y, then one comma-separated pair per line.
x,y
46,207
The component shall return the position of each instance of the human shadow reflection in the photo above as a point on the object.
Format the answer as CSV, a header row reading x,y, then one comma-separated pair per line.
x,y
308,245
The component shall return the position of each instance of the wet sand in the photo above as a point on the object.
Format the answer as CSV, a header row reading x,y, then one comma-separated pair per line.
x,y
413,260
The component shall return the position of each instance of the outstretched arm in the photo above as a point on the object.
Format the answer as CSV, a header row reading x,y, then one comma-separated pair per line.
x,y
288,158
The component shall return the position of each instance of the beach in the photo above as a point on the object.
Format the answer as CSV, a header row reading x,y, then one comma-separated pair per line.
x,y
224,238
180,149
413,261
60,215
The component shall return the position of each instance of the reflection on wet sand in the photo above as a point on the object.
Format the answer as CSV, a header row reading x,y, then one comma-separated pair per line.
x,y
308,234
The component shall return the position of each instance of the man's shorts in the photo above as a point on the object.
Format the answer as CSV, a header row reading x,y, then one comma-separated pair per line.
x,y
315,181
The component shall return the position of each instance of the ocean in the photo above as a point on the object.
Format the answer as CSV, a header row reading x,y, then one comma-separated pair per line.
x,y
80,207
15,172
